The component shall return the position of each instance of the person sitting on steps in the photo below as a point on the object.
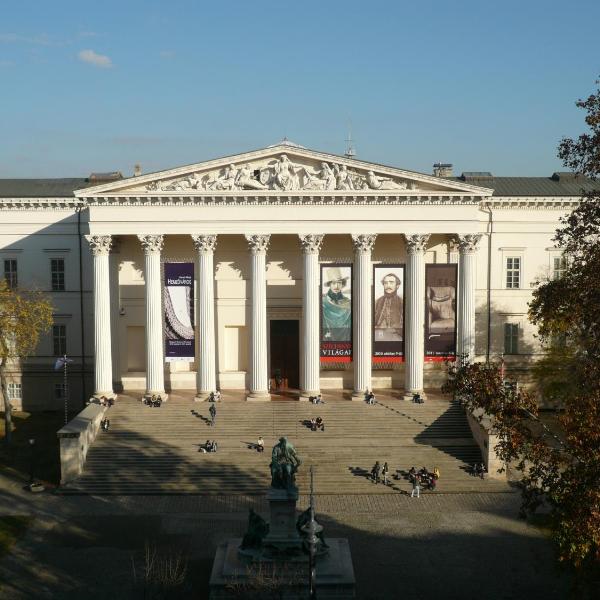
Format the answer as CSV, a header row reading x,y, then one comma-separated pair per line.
x,y
376,472
370,397
320,424
260,444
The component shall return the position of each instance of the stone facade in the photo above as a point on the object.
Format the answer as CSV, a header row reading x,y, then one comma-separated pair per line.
x,y
256,226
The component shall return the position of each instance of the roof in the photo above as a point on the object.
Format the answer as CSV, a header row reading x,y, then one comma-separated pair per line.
x,y
43,188
557,185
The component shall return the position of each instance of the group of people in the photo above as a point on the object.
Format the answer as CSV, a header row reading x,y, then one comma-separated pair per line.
x,y
478,470
422,479
380,473
209,446
370,397
154,400
316,399
417,398
317,423
215,396
102,401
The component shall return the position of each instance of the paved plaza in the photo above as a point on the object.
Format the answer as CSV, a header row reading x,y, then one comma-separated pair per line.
x,y
440,546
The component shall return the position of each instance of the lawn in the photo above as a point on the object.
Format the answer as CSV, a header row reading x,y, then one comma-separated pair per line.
x,y
17,460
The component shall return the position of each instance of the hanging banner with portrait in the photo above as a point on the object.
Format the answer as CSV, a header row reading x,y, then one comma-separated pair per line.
x,y
178,298
440,311
336,313
388,313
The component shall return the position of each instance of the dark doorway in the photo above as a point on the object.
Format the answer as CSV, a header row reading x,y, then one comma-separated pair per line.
x,y
285,355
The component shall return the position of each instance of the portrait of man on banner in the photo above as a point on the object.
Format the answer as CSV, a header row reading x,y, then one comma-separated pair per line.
x,y
336,308
389,304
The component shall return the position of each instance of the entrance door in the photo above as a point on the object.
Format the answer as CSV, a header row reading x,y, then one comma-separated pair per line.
x,y
285,354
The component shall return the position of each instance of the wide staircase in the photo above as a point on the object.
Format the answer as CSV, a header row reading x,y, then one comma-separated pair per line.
x,y
156,450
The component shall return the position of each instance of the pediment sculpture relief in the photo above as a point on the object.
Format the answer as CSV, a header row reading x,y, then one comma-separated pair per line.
x,y
284,175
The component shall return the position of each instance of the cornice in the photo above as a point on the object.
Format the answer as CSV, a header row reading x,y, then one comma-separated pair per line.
x,y
291,198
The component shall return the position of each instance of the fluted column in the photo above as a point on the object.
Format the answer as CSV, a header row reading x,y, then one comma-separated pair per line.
x,y
100,247
466,295
155,374
362,339
415,313
453,252
205,316
259,390
115,305
310,384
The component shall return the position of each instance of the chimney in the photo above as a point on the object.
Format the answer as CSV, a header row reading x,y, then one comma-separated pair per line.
x,y
442,169
137,170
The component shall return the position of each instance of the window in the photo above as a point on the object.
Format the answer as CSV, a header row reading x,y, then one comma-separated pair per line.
x,y
10,273
559,266
513,272
60,391
59,339
57,270
15,391
511,338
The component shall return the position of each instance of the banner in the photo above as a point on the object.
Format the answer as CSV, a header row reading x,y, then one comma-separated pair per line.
x,y
336,313
388,313
179,312
440,311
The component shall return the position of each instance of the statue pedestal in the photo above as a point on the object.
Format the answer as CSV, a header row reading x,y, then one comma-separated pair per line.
x,y
283,538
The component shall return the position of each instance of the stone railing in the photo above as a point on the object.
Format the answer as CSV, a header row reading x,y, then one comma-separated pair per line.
x,y
486,442
75,439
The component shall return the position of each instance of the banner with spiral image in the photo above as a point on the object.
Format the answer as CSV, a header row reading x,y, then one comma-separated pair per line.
x,y
178,298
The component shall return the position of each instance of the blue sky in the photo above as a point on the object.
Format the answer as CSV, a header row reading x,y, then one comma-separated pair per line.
x,y
488,86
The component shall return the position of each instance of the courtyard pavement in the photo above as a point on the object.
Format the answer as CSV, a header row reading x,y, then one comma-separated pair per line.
x,y
439,546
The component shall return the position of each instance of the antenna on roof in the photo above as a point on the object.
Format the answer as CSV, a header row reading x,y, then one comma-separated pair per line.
x,y
350,151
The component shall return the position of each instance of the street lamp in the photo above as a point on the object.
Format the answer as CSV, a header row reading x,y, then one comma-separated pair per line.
x,y
312,528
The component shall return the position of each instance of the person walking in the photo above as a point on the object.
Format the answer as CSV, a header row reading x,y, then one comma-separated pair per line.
x,y
376,472
416,491
384,472
213,414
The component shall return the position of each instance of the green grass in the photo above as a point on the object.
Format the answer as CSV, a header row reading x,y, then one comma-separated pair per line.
x,y
16,460
11,529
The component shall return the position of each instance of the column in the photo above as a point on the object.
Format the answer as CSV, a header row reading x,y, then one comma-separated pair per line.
x,y
310,383
414,346
466,295
100,247
362,338
115,305
259,390
205,315
155,374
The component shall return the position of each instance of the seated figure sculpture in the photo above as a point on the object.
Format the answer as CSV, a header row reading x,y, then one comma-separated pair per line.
x,y
284,464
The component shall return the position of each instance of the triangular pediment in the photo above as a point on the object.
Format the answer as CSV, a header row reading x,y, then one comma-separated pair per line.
x,y
284,168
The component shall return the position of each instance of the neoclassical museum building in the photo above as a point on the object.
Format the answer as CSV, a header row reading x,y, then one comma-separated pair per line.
x,y
280,269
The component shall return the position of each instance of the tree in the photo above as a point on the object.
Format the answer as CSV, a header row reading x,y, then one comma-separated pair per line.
x,y
562,469
24,316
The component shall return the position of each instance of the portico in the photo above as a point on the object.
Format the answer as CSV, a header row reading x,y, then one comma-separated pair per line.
x,y
257,228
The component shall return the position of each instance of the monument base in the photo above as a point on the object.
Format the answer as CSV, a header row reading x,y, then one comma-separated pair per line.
x,y
233,575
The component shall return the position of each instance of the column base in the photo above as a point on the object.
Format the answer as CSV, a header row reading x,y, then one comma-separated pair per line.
x,y
202,396
258,397
306,396
358,396
99,395
163,395
408,396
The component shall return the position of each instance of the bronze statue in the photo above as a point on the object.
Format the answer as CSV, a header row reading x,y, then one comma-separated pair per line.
x,y
257,530
284,464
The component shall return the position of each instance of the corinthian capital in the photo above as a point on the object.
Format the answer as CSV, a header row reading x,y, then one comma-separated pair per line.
x,y
152,244
205,243
258,243
311,243
99,244
416,242
364,242
467,243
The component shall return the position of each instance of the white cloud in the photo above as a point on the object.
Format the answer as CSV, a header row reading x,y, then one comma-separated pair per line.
x,y
98,60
